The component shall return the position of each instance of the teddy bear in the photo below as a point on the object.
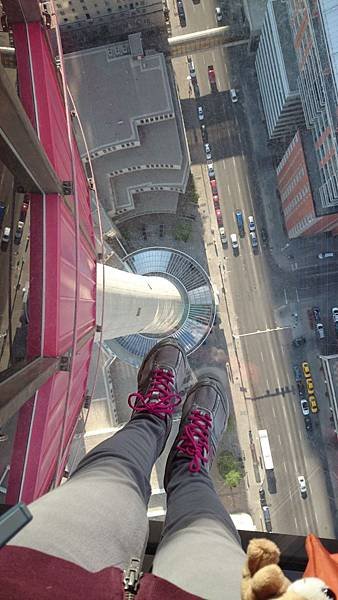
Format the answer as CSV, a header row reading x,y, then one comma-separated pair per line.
x,y
263,579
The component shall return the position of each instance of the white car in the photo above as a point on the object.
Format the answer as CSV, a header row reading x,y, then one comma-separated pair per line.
x,y
219,15
234,97
200,113
6,235
305,407
253,239
320,330
211,170
325,255
334,312
191,66
302,486
207,150
234,241
252,224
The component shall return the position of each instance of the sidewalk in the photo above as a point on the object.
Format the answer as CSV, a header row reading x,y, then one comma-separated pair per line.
x,y
281,247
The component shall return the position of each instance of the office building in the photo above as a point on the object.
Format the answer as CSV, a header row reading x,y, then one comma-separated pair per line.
x,y
277,73
134,128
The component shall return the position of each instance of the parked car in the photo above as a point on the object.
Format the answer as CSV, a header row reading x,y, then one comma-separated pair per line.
x,y
191,66
325,255
2,212
301,389
212,77
234,97
181,13
253,240
299,341
308,423
207,151
305,407
251,223
204,133
18,232
316,313
216,202
211,171
219,217
302,486
320,330
297,373
306,370
262,496
223,236
310,386
240,222
313,404
219,14
214,190
23,211
267,519
5,238
334,312
200,113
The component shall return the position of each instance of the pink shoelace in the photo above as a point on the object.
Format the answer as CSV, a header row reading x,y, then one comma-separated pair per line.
x,y
194,440
160,400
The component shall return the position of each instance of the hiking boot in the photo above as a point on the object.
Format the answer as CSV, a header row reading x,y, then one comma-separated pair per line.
x,y
204,419
160,380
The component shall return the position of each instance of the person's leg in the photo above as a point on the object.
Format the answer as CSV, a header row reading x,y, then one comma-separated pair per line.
x,y
98,518
200,549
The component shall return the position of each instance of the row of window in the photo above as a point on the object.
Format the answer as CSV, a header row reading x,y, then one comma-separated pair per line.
x,y
156,188
154,119
298,199
106,2
294,181
288,153
114,149
142,168
301,225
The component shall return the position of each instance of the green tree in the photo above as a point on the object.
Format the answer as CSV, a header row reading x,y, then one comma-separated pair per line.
x,y
233,478
182,231
231,469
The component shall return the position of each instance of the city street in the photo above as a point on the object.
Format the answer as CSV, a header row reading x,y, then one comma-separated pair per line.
x,y
261,297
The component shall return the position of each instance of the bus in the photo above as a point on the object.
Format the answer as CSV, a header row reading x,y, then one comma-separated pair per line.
x,y
267,460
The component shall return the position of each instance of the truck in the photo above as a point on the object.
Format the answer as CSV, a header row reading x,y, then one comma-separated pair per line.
x,y
267,460
212,78
240,222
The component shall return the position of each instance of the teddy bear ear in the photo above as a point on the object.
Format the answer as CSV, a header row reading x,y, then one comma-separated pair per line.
x,y
329,593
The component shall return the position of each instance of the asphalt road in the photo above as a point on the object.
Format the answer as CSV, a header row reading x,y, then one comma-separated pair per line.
x,y
257,288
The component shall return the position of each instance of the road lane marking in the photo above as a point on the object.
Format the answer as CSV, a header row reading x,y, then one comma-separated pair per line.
x,y
224,165
297,295
284,465
239,335
262,356
273,410
268,384
295,521
228,189
285,296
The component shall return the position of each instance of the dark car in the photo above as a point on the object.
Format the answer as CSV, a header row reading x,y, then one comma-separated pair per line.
x,y
267,519
316,314
300,341
301,389
181,13
297,372
262,496
308,423
264,236
204,134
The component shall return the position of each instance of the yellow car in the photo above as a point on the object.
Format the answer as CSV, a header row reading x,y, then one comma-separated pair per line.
x,y
306,370
310,386
313,404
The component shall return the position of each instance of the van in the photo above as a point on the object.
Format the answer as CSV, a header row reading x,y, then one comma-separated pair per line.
x,y
325,255
219,15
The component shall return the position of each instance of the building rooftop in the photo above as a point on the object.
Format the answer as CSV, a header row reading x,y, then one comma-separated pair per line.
x,y
314,175
112,93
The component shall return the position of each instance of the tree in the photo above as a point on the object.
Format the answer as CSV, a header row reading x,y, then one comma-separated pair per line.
x,y
231,469
233,478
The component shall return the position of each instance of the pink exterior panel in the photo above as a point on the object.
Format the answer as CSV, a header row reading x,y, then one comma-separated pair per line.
x,y
53,278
